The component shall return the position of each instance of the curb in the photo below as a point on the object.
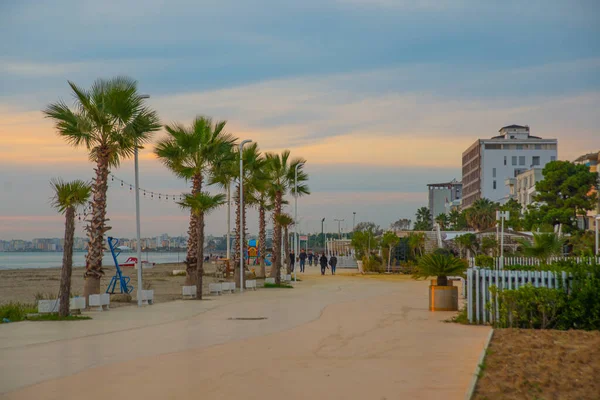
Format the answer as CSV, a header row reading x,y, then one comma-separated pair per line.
x,y
475,378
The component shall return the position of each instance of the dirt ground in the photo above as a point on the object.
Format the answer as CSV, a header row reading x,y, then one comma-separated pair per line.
x,y
23,285
541,364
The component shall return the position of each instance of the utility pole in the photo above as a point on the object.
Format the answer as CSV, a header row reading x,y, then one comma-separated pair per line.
x,y
339,229
353,220
323,232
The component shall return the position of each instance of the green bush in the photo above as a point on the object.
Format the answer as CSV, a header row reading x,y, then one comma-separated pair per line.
x,y
484,261
373,263
408,267
574,305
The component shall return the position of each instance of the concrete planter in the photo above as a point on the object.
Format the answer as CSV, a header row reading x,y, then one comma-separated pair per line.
x,y
443,298
359,263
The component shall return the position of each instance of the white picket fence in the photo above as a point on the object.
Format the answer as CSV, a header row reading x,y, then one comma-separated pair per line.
x,y
531,261
479,281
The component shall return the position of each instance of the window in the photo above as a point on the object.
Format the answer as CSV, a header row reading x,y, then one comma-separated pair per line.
x,y
504,160
521,160
514,160
535,160
538,146
494,185
493,146
519,147
493,172
552,158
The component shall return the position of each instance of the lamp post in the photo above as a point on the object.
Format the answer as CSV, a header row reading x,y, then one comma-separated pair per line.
x,y
137,218
597,241
242,213
228,221
353,220
339,229
501,216
296,213
323,233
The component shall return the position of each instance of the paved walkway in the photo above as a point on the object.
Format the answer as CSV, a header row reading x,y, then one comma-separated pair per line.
x,y
335,337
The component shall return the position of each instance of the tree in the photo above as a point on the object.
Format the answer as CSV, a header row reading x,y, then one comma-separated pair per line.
x,y
285,221
544,246
482,214
200,204
423,220
389,241
566,192
467,242
264,204
441,266
189,152
368,226
514,208
443,221
281,170
403,224
68,196
416,242
489,245
110,120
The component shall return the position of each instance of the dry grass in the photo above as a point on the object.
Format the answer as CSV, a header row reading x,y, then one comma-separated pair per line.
x,y
541,364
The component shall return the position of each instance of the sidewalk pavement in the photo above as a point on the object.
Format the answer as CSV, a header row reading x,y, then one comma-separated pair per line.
x,y
333,336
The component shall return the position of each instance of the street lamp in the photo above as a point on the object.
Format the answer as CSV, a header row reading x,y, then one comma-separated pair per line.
x,y
501,216
296,213
353,220
339,229
323,233
242,214
597,243
137,217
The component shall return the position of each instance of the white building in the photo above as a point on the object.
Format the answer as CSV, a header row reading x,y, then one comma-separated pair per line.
x,y
443,197
522,188
487,163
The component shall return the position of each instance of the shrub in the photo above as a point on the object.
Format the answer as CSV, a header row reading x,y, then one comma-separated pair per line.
x,y
484,261
440,266
373,263
14,311
408,267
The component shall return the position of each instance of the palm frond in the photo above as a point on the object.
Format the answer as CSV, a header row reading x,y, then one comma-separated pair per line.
x,y
69,194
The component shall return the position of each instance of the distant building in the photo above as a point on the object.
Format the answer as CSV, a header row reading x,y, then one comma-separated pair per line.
x,y
487,163
592,160
522,188
444,196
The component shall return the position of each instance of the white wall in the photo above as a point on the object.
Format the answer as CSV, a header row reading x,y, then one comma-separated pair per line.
x,y
491,159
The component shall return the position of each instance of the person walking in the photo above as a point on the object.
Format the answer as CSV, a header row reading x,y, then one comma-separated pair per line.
x,y
302,260
292,260
310,257
323,262
333,263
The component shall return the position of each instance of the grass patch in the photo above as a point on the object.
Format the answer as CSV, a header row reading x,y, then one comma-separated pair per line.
x,y
14,311
460,318
55,317
276,286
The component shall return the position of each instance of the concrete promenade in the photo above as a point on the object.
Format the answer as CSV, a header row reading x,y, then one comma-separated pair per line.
x,y
334,337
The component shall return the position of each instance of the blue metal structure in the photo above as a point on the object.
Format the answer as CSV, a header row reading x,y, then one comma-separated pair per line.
x,y
123,281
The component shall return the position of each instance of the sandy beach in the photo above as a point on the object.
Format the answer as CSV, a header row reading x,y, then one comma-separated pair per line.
x,y
23,285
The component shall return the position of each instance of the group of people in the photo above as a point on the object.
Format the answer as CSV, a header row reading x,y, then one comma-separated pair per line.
x,y
323,261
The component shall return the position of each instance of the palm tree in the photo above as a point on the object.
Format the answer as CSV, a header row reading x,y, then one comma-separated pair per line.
x,y
68,196
110,120
389,241
544,246
264,204
281,171
441,266
423,222
482,214
189,152
285,221
201,204
443,221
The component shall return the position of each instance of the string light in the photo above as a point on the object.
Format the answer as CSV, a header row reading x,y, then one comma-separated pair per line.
x,y
123,183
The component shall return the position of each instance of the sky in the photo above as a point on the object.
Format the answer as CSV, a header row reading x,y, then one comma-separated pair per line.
x,y
381,97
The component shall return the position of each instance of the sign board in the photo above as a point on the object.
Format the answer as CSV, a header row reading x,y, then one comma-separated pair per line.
x,y
305,238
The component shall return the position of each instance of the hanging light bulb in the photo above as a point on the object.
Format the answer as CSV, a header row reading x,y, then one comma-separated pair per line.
x,y
112,178
121,183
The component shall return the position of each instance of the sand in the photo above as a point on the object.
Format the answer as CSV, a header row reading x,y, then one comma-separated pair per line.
x,y
541,364
333,337
23,285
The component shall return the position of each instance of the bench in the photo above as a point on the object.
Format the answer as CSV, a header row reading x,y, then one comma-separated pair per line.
x,y
100,302
270,280
179,272
227,287
147,296
52,306
251,284
189,292
215,288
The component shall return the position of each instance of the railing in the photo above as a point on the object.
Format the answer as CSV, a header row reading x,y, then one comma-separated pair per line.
x,y
479,281
532,261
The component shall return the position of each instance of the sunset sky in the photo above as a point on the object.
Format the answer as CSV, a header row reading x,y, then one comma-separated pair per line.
x,y
381,97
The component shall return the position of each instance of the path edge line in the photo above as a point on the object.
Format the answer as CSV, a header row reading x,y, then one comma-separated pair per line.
x,y
475,378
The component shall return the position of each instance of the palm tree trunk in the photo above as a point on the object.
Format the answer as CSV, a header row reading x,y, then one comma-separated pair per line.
x,y
200,254
276,257
262,239
191,260
97,227
67,266
288,262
